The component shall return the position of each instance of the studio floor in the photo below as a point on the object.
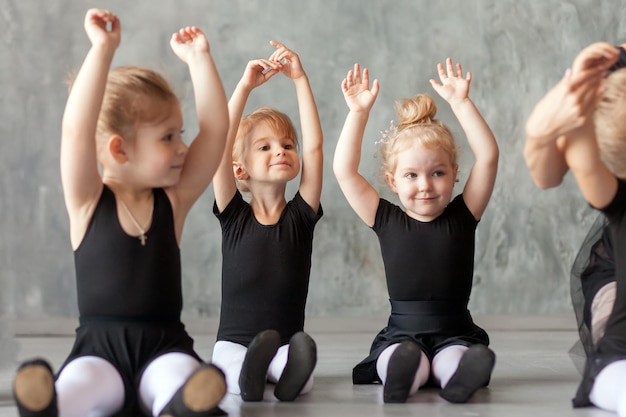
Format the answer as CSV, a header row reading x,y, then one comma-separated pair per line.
x,y
534,374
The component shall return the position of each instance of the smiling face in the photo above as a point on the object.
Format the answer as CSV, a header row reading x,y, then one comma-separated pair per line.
x,y
268,157
423,179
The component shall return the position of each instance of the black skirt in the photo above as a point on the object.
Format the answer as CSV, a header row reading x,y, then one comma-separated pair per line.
x,y
432,325
130,345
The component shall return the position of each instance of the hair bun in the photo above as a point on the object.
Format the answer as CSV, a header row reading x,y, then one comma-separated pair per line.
x,y
416,110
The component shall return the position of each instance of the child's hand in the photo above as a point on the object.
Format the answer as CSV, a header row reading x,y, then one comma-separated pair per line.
x,y
600,55
289,60
103,27
356,90
567,106
259,71
453,86
188,42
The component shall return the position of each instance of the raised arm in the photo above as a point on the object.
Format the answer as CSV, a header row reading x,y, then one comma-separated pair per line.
x,y
454,88
311,176
361,196
206,150
81,180
596,182
581,152
256,73
564,108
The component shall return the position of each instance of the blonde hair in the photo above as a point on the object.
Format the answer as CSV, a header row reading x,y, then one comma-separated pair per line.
x,y
132,96
278,121
417,124
610,123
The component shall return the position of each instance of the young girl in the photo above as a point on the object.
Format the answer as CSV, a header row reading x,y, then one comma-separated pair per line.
x,y
592,149
427,248
267,242
132,355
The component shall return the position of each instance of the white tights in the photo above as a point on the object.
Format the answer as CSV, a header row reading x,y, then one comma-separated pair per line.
x,y
609,388
444,365
90,386
229,357
421,375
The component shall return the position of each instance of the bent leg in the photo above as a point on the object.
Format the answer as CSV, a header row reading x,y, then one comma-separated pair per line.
x,y
609,388
229,357
601,308
292,367
446,362
89,386
472,372
402,368
176,383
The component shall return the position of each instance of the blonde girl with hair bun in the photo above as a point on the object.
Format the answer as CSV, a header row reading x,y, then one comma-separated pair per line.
x,y
428,243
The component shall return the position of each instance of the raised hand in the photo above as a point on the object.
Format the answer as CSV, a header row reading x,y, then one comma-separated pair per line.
x,y
259,71
103,27
567,106
599,55
289,60
189,41
453,85
356,89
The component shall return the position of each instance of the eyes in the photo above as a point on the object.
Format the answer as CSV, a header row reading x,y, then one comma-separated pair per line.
x,y
171,136
413,175
286,146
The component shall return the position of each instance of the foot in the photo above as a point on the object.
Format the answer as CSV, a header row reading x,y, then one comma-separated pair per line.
x,y
33,389
253,375
473,372
301,360
401,370
199,395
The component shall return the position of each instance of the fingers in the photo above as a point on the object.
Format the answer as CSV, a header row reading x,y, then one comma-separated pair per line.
x,y
442,72
187,34
281,53
264,66
356,77
452,71
449,67
375,88
102,18
599,54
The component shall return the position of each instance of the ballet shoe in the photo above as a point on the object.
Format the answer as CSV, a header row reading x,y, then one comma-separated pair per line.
x,y
253,374
401,370
33,389
199,395
473,372
301,360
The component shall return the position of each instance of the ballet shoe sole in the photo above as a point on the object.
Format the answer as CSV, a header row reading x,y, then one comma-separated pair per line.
x,y
473,373
301,361
403,365
204,390
34,387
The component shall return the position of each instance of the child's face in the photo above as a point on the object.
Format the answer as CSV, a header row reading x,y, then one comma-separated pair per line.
x,y
424,180
270,157
158,153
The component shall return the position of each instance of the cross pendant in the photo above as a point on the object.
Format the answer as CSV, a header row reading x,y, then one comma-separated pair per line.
x,y
143,239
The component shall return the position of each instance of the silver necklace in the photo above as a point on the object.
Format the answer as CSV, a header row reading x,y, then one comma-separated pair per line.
x,y
142,236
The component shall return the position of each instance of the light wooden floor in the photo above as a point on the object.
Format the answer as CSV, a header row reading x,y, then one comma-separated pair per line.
x,y
534,374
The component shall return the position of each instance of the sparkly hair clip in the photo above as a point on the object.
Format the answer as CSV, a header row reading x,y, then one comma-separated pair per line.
x,y
387,136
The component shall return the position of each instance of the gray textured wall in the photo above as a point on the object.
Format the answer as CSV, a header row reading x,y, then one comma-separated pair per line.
x,y
515,49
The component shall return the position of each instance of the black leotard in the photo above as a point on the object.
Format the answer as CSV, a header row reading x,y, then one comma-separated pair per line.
x,y
265,270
